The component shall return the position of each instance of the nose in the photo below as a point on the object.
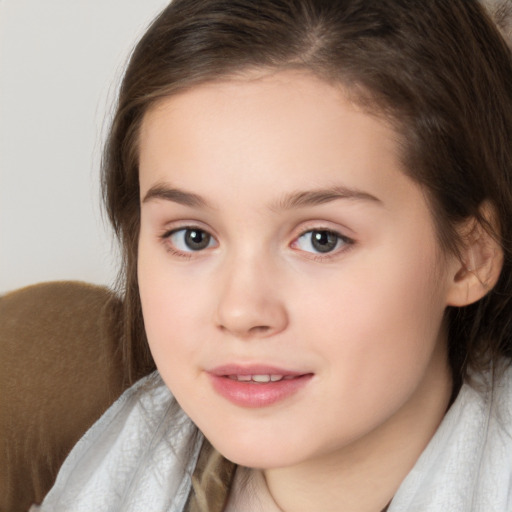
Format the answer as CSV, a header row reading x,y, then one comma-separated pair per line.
x,y
250,303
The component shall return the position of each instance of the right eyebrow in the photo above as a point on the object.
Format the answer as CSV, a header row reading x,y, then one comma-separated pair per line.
x,y
162,191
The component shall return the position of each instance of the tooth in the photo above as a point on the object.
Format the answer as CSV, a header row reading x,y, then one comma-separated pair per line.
x,y
275,378
244,378
261,378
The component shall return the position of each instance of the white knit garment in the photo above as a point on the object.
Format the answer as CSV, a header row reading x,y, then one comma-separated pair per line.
x,y
134,459
467,466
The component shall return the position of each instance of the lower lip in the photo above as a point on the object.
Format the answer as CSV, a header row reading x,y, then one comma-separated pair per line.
x,y
256,394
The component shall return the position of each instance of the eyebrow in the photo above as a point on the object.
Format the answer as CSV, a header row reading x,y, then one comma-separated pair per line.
x,y
300,199
162,191
322,196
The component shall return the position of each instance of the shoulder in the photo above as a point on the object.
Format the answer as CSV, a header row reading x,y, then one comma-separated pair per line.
x,y
467,466
500,420
137,455
492,485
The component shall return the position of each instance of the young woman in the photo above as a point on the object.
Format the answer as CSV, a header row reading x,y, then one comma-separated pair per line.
x,y
315,203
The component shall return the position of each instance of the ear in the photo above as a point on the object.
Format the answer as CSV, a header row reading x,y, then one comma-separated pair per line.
x,y
477,268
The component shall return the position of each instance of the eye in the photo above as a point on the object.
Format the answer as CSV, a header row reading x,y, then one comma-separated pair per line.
x,y
321,241
190,239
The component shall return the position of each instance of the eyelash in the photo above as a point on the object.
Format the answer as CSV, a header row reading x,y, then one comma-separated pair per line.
x,y
347,243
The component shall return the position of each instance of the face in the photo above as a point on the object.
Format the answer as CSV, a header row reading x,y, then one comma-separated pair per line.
x,y
292,286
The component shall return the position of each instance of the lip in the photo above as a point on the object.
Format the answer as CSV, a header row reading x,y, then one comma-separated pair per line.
x,y
256,394
252,369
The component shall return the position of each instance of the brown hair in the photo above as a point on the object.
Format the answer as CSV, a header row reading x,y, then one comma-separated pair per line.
x,y
440,71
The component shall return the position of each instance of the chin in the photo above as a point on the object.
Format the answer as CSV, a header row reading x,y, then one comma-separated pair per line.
x,y
251,454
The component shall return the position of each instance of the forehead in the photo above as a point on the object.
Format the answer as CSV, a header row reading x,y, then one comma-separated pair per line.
x,y
290,122
248,142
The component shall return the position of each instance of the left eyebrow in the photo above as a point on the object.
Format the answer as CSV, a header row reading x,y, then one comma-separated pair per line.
x,y
322,196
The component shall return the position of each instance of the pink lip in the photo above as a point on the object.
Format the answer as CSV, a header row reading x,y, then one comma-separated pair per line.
x,y
255,394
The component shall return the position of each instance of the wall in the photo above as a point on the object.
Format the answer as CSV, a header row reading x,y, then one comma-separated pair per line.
x,y
60,64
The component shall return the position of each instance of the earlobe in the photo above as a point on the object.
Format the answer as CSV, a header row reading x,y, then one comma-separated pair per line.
x,y
477,270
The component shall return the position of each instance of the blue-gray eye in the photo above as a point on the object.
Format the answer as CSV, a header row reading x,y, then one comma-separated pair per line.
x,y
191,239
320,241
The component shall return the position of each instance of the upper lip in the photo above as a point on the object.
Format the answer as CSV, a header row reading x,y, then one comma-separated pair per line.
x,y
252,369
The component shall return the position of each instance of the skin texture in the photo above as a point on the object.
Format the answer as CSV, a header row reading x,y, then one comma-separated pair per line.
x,y
365,320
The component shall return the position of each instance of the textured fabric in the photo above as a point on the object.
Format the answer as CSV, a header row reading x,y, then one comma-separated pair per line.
x,y
60,370
211,481
135,457
467,466
138,457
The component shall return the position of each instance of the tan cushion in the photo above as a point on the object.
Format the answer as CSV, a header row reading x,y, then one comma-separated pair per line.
x,y
60,368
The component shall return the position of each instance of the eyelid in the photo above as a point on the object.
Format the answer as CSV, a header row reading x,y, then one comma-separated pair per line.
x,y
324,225
171,227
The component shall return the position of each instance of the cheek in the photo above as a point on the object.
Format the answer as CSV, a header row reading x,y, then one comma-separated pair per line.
x,y
381,320
173,311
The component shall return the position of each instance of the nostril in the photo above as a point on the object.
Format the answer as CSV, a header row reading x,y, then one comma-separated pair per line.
x,y
257,329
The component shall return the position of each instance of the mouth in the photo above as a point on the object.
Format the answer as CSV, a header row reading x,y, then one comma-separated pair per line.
x,y
256,386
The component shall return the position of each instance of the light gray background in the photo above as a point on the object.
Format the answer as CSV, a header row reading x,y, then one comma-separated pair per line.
x,y
60,65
